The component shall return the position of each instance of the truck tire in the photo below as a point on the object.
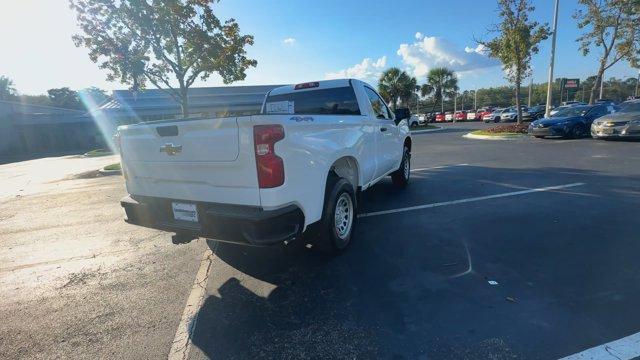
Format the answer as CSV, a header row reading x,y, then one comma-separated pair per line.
x,y
338,216
401,176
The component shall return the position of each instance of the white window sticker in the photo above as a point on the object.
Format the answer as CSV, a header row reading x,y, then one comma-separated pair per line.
x,y
280,107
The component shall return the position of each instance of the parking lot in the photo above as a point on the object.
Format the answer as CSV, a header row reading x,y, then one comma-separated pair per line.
x,y
511,249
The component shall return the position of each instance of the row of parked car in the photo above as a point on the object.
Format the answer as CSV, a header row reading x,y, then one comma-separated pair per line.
x,y
486,114
601,121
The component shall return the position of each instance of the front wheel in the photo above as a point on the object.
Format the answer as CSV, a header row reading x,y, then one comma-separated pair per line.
x,y
400,177
577,132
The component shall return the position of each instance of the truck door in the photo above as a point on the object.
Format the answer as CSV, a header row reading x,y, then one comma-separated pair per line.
x,y
387,150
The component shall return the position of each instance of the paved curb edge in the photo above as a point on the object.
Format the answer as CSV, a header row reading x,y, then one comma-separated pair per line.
x,y
492,137
426,131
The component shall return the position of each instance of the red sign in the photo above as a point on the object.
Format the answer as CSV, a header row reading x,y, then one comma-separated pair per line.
x,y
572,83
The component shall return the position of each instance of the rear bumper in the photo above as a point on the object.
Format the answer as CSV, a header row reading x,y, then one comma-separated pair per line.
x,y
232,223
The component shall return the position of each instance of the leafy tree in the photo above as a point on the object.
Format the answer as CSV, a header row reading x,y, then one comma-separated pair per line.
x,y
396,85
163,42
613,27
517,40
92,97
7,91
441,82
35,100
64,98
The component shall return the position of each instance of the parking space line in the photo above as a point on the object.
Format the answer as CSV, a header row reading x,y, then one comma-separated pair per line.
x,y
182,340
438,167
622,349
473,199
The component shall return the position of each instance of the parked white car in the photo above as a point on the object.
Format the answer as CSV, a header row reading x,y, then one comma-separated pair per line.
x,y
471,115
511,114
265,179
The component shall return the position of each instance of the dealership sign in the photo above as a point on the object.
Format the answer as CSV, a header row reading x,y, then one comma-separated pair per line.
x,y
571,83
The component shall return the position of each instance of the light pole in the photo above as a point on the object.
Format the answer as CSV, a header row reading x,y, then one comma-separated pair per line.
x,y
547,112
637,82
455,101
475,96
601,86
530,88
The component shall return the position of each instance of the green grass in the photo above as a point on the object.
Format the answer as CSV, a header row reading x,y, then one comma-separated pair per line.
x,y
113,167
98,152
489,133
423,127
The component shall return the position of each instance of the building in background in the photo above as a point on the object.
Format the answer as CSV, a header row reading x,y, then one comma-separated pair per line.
x,y
127,107
35,129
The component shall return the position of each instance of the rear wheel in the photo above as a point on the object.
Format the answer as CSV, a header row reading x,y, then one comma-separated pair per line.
x,y
400,177
338,215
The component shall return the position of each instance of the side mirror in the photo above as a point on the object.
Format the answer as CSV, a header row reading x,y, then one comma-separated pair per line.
x,y
401,114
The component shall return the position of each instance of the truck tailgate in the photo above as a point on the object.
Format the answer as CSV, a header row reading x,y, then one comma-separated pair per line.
x,y
197,160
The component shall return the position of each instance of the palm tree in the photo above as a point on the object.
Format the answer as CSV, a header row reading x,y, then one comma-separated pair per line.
x,y
441,82
6,88
396,85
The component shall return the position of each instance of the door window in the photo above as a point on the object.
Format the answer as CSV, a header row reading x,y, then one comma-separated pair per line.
x,y
380,109
598,112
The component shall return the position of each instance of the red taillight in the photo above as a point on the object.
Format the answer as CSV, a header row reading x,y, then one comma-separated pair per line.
x,y
270,166
308,85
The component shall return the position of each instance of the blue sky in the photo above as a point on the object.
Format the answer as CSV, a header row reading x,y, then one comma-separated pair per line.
x,y
299,40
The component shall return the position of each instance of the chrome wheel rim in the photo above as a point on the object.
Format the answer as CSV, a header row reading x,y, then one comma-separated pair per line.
x,y
343,216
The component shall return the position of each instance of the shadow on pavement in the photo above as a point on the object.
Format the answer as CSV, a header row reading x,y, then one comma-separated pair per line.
x,y
415,285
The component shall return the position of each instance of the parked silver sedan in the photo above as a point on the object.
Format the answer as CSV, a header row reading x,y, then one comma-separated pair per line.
x,y
624,123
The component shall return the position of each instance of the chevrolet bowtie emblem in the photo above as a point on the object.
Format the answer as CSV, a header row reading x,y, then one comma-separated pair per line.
x,y
171,149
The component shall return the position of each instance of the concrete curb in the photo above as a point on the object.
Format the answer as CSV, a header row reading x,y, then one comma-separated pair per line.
x,y
493,137
427,131
110,172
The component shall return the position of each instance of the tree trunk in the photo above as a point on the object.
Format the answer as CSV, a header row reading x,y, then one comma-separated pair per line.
x,y
184,103
518,108
596,84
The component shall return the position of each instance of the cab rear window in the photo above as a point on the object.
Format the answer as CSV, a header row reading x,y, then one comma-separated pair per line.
x,y
334,101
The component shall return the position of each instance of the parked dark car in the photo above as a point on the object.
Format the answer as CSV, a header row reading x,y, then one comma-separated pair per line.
x,y
571,122
537,112
624,123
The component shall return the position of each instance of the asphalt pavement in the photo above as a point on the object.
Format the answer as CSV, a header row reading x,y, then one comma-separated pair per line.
x,y
519,249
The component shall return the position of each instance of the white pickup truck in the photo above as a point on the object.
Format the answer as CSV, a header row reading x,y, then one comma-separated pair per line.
x,y
265,179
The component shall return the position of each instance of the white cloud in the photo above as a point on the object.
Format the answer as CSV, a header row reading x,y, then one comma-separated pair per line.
x,y
366,70
430,51
289,41
480,49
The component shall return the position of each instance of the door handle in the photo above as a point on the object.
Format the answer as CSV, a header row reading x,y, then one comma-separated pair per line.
x,y
383,129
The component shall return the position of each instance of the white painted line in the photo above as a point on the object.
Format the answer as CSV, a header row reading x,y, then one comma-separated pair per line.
x,y
438,167
493,137
462,201
182,341
622,349
427,130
